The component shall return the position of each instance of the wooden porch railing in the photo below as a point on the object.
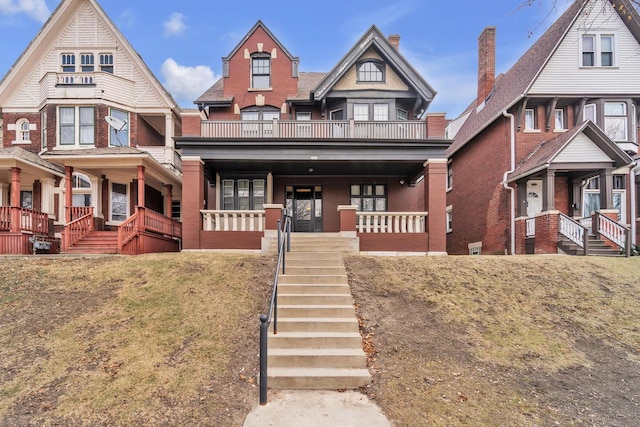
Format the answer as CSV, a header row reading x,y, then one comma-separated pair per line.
x,y
23,220
79,224
530,227
574,231
147,220
223,220
317,129
391,222
615,232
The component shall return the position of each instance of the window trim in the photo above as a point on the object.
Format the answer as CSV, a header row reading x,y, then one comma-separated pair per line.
x,y
449,218
77,126
127,207
125,129
87,62
374,196
532,113
380,70
21,133
252,75
449,182
563,123
106,62
68,62
43,126
598,52
236,197
624,116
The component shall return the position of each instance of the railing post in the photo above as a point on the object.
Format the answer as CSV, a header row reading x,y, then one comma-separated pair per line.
x,y
627,242
263,359
279,235
289,235
585,238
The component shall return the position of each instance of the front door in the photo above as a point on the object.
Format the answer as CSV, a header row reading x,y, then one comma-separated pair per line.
x,y
305,207
534,197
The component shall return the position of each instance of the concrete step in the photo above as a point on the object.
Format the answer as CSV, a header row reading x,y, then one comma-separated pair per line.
x,y
313,278
320,310
317,378
325,255
310,269
317,358
314,289
317,324
312,262
315,340
315,299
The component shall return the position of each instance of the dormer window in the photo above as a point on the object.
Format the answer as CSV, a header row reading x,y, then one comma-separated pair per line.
x,y
260,71
106,62
598,50
68,62
371,71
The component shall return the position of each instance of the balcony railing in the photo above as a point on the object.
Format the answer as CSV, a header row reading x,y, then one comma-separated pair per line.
x,y
391,222
21,219
323,129
232,220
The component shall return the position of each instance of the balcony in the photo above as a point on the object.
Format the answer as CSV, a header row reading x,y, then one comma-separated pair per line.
x,y
322,129
96,85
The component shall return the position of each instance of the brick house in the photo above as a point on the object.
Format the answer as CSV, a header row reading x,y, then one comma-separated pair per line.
x,y
351,151
88,148
542,160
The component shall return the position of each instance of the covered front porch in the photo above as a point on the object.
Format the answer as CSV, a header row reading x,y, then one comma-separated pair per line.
x,y
388,196
574,195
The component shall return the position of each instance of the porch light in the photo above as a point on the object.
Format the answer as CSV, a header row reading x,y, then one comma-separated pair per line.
x,y
310,170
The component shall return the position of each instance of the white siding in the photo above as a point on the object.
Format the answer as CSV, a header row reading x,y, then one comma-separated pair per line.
x,y
581,149
563,74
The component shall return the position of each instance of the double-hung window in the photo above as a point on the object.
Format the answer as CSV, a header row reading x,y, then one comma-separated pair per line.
x,y
360,112
615,120
380,112
119,137
76,126
597,50
529,119
260,71
558,116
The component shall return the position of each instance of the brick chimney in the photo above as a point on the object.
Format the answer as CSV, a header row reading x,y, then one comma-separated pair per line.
x,y
486,63
394,39
436,125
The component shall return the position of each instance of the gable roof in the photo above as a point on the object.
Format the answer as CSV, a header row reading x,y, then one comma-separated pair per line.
x,y
544,155
515,83
374,38
56,24
22,155
253,29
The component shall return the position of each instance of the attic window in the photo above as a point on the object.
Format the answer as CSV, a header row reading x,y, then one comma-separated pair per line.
x,y
260,71
68,62
371,71
106,62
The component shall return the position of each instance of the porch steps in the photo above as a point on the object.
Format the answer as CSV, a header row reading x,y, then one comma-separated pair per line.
x,y
318,345
318,242
97,242
597,247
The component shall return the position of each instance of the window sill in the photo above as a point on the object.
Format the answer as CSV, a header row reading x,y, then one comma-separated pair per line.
x,y
532,131
560,130
449,189
21,142
74,147
598,67
264,89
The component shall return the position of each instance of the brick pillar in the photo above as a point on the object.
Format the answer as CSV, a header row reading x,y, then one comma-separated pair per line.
x,y
521,235
347,220
68,185
435,203
168,200
272,214
193,183
141,200
547,226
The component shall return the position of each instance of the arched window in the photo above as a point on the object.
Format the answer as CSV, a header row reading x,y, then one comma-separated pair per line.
x,y
81,190
371,71
23,134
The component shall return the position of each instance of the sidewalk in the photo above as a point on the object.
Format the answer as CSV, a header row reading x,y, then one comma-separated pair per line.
x,y
295,408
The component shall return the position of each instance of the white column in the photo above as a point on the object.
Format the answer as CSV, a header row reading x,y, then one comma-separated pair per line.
x,y
216,205
4,194
96,195
269,188
168,134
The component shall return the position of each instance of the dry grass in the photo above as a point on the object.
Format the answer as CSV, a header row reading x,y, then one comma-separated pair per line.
x,y
478,340
130,341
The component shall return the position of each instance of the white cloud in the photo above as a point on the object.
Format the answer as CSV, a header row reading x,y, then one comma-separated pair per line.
x,y
186,83
175,25
36,9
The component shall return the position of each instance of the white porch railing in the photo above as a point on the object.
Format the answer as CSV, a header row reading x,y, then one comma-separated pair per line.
x,y
232,220
391,222
319,129
587,222
612,231
530,227
572,230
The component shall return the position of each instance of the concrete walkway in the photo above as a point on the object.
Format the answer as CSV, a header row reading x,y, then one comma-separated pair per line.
x,y
311,408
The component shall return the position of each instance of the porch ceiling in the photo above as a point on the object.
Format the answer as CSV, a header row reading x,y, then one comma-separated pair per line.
x,y
326,158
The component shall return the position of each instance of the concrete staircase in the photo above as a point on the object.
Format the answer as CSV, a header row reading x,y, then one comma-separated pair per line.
x,y
97,242
318,345
597,247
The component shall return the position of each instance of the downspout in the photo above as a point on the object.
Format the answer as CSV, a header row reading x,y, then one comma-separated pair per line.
x,y
634,196
512,219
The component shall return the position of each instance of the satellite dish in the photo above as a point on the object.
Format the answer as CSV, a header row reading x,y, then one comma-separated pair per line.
x,y
117,124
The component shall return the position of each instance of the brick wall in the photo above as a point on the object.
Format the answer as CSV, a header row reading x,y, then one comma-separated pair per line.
x,y
8,136
547,234
192,202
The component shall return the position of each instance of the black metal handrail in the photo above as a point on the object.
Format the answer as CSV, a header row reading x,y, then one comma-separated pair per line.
x,y
284,237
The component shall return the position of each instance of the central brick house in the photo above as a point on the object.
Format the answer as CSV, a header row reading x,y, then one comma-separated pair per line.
x,y
352,151
543,159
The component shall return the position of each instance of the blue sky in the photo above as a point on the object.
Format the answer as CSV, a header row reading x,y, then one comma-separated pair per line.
x,y
183,42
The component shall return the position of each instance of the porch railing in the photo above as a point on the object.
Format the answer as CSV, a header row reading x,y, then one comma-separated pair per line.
x,y
587,222
79,224
216,220
27,220
615,232
530,227
147,220
391,222
573,231
319,129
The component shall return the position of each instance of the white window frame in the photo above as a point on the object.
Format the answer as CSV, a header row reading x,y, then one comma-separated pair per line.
x,y
261,76
68,62
380,112
597,39
558,120
77,126
106,62
622,119
43,136
530,119
590,113
361,112
23,132
449,182
87,62
402,114
121,139
449,217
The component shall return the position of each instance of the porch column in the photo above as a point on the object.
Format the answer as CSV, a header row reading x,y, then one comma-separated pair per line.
x,y
15,200
105,198
549,190
168,200
96,200
348,220
435,203
48,188
193,184
269,188
606,188
141,200
3,194
68,186
168,135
